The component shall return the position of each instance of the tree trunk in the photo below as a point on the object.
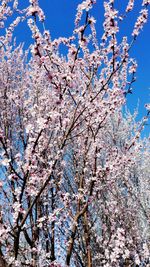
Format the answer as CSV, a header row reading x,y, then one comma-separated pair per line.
x,y
2,261
87,240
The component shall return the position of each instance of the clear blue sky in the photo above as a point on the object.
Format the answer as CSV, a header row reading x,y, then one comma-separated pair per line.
x,y
60,16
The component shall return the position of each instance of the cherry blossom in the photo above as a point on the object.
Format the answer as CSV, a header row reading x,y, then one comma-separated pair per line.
x,y
74,186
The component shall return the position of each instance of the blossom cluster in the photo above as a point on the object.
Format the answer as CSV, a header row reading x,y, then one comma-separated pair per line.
x,y
142,19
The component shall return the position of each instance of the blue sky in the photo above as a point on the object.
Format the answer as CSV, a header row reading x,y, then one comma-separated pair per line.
x,y
60,16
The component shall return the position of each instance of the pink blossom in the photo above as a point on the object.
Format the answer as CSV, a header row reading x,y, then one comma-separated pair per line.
x,y
130,5
142,19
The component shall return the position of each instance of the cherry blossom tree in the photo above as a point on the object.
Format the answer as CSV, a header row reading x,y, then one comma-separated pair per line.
x,y
74,170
